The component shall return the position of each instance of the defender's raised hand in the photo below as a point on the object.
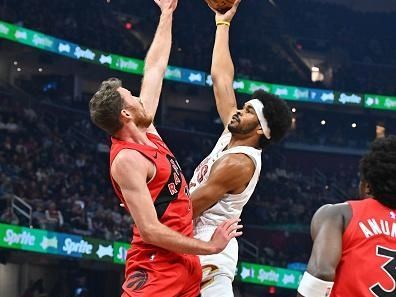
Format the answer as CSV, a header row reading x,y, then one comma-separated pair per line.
x,y
167,5
229,15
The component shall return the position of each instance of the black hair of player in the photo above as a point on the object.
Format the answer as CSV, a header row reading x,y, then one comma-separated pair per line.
x,y
278,115
378,170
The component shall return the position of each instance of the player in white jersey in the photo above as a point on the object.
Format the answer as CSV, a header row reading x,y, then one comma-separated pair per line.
x,y
224,181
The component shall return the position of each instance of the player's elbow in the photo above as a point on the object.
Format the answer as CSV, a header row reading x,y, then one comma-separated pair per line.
x,y
148,234
221,78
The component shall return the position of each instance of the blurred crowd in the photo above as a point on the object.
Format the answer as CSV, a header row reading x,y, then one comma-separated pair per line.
x,y
264,39
65,181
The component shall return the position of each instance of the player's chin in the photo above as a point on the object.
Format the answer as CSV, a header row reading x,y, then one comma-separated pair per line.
x,y
233,126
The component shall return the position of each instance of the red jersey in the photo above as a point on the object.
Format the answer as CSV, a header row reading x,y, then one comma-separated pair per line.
x,y
368,264
168,188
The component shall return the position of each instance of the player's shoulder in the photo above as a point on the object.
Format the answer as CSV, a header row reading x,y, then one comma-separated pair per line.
x,y
238,162
333,210
333,213
128,159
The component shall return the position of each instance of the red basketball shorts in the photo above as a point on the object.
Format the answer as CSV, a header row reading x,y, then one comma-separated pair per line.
x,y
162,274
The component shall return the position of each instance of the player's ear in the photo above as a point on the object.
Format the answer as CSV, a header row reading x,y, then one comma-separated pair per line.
x,y
369,192
364,189
126,115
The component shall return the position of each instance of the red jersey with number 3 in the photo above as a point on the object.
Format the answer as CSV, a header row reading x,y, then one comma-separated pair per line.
x,y
368,264
168,187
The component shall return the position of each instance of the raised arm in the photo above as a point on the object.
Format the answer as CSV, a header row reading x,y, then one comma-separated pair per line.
x,y
223,68
130,170
327,228
157,58
229,175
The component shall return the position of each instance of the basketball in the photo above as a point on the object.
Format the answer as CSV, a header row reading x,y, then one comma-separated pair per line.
x,y
220,5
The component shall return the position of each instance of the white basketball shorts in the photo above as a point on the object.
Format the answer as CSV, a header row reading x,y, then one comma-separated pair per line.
x,y
218,270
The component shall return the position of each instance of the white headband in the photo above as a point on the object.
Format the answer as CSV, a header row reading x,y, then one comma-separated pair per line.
x,y
258,108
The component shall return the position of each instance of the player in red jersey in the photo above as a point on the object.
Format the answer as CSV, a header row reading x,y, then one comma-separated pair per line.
x,y
354,250
149,182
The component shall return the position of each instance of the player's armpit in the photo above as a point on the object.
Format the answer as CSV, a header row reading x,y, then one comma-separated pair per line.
x,y
151,129
229,175
326,230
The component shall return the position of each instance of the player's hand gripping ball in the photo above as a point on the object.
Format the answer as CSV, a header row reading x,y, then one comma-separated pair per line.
x,y
221,6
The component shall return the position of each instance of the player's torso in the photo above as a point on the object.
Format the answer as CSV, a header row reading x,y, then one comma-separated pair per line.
x,y
230,206
368,264
168,188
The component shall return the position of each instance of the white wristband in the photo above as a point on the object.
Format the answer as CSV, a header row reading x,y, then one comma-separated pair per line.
x,y
311,286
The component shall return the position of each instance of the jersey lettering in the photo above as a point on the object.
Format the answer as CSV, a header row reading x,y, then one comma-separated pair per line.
x,y
176,178
202,173
172,188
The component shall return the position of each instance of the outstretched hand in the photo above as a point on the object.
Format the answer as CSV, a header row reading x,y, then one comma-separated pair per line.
x,y
227,16
167,5
224,233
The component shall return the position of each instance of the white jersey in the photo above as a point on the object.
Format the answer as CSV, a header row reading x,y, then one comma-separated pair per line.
x,y
230,205
218,270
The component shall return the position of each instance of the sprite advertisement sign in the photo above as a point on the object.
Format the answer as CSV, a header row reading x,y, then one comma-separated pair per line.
x,y
70,245
189,76
268,275
62,244
380,102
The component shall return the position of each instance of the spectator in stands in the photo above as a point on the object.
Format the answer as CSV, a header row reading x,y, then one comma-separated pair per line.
x,y
38,216
9,217
78,220
54,217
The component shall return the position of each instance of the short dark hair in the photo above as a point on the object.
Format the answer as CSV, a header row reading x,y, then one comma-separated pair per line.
x,y
105,106
378,170
278,115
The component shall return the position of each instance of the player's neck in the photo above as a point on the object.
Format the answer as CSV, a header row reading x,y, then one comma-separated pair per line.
x,y
133,134
237,140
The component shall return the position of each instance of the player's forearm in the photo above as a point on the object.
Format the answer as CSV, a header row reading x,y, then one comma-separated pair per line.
x,y
199,206
223,75
326,273
158,54
222,65
156,63
168,239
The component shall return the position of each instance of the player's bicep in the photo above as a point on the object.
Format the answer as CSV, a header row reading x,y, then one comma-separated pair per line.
x,y
206,195
227,174
326,231
130,172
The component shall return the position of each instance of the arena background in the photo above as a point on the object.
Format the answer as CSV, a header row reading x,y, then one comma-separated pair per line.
x,y
62,231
